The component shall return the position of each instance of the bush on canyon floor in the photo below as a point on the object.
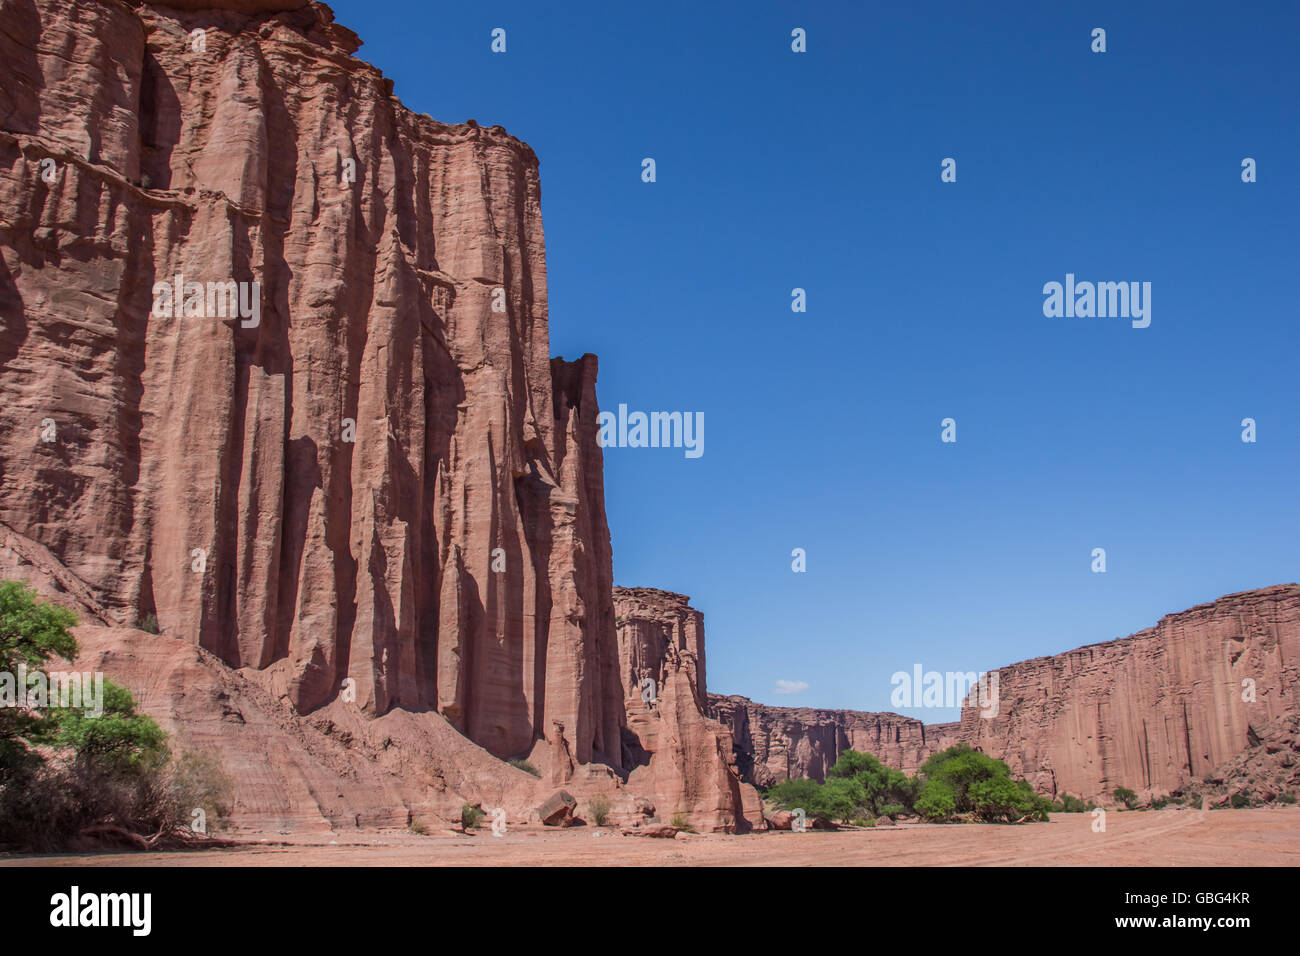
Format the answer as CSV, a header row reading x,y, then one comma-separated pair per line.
x,y
1125,796
67,777
599,807
1068,804
937,801
979,785
885,792
470,816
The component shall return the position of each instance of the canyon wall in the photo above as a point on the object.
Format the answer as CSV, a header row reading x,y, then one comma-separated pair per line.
x,y
787,743
1167,706
679,755
376,485
1177,703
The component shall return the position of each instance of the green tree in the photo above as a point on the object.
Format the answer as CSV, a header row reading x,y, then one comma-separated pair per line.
x,y
31,632
936,800
92,775
886,791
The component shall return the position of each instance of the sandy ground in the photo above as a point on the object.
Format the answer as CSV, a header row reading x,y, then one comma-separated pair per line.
x,y
1164,838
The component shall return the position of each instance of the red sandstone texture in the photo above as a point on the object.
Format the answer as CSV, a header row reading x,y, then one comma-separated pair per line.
x,y
384,494
371,525
787,743
680,756
1153,712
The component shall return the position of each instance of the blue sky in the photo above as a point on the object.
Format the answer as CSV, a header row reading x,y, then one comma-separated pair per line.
x,y
821,170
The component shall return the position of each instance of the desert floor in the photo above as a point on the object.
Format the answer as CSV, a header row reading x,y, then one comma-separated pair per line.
x,y
1157,838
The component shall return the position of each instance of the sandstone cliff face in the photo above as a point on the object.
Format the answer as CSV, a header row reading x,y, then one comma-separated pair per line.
x,y
1154,711
678,755
385,481
789,743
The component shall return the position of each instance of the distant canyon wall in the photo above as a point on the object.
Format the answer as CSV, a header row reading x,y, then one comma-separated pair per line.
x,y
789,743
1168,706
1151,712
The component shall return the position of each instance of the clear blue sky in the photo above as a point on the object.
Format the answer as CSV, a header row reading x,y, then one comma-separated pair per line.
x,y
821,170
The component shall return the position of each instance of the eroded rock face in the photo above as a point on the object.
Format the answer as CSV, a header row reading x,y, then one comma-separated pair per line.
x,y
789,743
678,755
384,480
375,491
1154,711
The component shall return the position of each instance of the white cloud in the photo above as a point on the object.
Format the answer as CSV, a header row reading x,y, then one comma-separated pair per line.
x,y
791,686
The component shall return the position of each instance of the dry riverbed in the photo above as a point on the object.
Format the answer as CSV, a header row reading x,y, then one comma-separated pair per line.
x,y
1269,837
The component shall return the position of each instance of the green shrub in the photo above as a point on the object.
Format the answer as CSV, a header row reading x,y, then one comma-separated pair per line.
x,y
1001,799
470,816
937,801
1125,796
519,763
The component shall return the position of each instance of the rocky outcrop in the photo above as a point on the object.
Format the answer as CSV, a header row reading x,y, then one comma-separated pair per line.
x,y
1155,711
383,481
678,755
275,372
788,743
335,769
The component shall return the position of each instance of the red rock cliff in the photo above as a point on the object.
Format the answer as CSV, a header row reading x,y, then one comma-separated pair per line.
x,y
1164,707
385,479
679,755
789,743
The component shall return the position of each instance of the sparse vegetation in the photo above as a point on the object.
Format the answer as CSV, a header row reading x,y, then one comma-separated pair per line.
x,y
417,827
69,776
470,817
956,784
599,807
1068,804
682,822
1125,796
519,763
149,624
